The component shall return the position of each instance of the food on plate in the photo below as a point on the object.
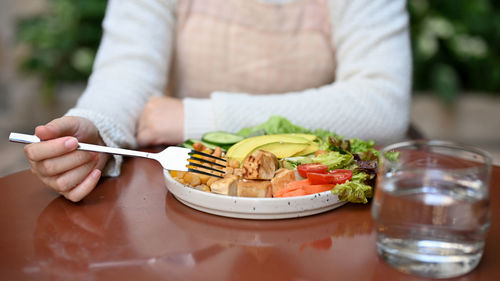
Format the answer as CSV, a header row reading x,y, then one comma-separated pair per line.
x,y
281,145
254,188
303,187
331,177
304,169
221,138
227,186
281,178
280,159
260,165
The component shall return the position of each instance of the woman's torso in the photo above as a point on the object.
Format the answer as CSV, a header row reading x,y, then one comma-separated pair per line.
x,y
251,47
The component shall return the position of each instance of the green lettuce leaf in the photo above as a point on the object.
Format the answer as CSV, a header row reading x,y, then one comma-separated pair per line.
x,y
354,190
332,159
358,145
292,162
274,125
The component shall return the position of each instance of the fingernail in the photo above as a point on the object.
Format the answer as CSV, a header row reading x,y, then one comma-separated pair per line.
x,y
95,173
70,143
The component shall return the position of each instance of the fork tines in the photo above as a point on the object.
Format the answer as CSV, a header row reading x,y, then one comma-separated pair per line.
x,y
210,166
196,152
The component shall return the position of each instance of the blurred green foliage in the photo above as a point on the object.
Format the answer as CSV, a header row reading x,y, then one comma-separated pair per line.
x,y
455,44
62,41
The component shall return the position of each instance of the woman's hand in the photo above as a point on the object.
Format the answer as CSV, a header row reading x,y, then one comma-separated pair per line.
x,y
161,122
72,173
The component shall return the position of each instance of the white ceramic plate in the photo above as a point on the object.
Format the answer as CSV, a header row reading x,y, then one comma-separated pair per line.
x,y
252,208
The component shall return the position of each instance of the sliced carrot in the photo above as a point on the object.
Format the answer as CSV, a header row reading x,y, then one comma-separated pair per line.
x,y
291,186
285,190
302,187
308,187
317,188
292,193
297,184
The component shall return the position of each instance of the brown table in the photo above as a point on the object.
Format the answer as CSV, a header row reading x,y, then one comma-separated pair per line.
x,y
131,228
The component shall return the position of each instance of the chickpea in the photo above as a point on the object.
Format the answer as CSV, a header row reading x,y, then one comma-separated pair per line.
x,y
198,146
233,163
192,179
238,172
229,170
217,152
211,180
203,187
204,178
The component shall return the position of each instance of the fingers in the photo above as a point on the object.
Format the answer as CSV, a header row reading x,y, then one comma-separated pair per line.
x,y
55,166
64,126
58,164
45,133
50,149
68,180
85,187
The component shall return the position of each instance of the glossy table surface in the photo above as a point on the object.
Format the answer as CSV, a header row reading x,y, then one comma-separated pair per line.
x,y
131,228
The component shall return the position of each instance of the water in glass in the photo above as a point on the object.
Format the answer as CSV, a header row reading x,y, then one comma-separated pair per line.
x,y
431,222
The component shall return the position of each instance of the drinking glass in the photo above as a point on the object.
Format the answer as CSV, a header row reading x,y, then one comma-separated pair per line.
x,y
431,207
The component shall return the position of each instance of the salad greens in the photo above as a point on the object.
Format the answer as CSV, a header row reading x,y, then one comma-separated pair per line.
x,y
280,125
332,159
355,190
339,153
275,125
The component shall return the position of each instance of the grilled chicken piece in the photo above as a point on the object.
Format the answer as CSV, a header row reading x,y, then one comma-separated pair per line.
x,y
227,186
281,178
254,188
234,171
260,165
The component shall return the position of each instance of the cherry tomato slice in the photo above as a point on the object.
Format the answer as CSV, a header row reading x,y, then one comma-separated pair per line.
x,y
304,169
332,177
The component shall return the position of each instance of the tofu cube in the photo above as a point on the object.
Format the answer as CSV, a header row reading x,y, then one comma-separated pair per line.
x,y
281,178
254,188
260,165
226,186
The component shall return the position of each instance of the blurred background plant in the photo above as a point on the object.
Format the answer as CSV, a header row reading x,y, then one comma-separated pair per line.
x,y
456,44
62,42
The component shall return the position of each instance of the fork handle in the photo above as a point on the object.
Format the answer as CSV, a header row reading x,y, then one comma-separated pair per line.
x,y
24,138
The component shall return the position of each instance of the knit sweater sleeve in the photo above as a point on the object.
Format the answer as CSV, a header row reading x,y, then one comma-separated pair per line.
x,y
131,66
371,94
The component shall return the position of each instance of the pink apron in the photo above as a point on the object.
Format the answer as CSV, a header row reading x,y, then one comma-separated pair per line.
x,y
249,46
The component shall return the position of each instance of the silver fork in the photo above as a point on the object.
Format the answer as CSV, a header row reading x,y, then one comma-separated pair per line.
x,y
172,158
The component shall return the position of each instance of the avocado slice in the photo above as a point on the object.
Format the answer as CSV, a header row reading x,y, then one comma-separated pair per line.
x,y
283,150
242,149
311,148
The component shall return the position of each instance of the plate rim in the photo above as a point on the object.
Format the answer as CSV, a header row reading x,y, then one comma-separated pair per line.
x,y
249,207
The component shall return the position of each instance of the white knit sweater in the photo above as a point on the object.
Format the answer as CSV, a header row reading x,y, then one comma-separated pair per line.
x,y
369,99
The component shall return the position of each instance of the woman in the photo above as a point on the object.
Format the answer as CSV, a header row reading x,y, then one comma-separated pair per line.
x,y
343,66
